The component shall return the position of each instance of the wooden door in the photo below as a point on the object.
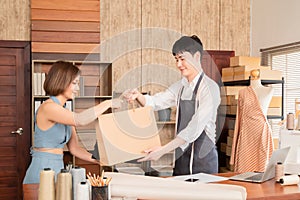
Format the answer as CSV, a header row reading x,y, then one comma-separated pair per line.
x,y
15,113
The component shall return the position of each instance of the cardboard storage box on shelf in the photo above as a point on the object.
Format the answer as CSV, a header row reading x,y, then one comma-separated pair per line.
x,y
230,132
227,74
232,90
276,102
223,147
243,72
233,109
229,141
228,150
274,111
244,60
228,100
265,74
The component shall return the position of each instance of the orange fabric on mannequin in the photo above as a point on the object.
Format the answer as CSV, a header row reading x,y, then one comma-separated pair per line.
x,y
252,144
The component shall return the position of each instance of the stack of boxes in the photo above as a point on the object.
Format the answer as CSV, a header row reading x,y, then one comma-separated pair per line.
x,y
240,68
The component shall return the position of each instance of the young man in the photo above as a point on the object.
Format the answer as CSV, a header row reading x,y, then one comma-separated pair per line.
x,y
197,98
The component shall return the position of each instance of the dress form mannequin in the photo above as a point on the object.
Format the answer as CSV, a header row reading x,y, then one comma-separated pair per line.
x,y
264,94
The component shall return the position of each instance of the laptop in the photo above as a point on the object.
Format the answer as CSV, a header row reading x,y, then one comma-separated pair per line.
x,y
269,173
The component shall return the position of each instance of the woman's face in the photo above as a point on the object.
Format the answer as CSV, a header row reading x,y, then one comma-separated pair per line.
x,y
73,89
187,64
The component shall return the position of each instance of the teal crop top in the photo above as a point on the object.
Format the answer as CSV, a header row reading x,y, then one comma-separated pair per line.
x,y
54,137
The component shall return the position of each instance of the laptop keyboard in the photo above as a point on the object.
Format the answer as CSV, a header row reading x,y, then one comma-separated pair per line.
x,y
255,177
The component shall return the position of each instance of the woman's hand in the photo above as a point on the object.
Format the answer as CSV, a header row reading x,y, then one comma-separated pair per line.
x,y
153,153
131,94
116,103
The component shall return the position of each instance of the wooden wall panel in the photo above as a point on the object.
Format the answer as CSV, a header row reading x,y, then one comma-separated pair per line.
x,y
87,5
121,41
65,27
235,26
68,26
161,27
15,20
201,17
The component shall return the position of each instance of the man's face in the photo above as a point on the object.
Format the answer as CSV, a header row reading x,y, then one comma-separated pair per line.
x,y
187,64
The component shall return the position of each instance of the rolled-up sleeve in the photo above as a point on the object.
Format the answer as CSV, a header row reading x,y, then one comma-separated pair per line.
x,y
164,99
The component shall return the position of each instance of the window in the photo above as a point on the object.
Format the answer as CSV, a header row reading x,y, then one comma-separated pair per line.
x,y
285,58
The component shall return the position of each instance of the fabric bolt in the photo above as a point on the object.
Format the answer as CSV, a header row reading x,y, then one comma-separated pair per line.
x,y
252,144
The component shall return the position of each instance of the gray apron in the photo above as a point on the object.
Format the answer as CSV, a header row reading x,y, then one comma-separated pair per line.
x,y
202,151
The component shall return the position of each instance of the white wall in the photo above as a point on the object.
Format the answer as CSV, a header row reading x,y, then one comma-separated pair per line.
x,y
274,22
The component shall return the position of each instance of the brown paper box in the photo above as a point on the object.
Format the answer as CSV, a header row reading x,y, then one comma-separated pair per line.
x,y
226,71
265,74
244,60
249,68
274,111
123,136
232,90
275,102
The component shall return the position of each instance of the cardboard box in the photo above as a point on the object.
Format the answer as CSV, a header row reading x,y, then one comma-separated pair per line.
x,y
276,102
229,141
244,61
274,111
228,100
223,147
231,123
227,74
228,150
232,90
264,74
123,136
233,110
249,68
230,132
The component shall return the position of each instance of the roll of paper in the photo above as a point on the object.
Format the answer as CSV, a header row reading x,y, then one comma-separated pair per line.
x,y
83,192
64,185
289,180
47,185
78,176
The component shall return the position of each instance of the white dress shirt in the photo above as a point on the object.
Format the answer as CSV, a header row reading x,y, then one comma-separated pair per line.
x,y
207,103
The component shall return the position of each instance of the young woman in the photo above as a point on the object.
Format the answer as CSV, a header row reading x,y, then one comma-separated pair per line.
x,y
54,125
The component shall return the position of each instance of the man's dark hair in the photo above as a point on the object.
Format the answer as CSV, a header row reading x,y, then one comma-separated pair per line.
x,y
190,44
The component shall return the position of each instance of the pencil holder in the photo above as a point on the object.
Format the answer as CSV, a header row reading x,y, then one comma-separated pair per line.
x,y
100,192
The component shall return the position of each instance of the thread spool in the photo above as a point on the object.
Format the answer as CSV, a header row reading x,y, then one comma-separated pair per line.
x,y
78,176
290,121
279,171
289,180
47,185
83,192
64,185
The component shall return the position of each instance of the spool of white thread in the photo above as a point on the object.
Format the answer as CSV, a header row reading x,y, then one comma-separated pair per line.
x,y
47,185
290,121
279,171
64,185
289,180
83,192
78,176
